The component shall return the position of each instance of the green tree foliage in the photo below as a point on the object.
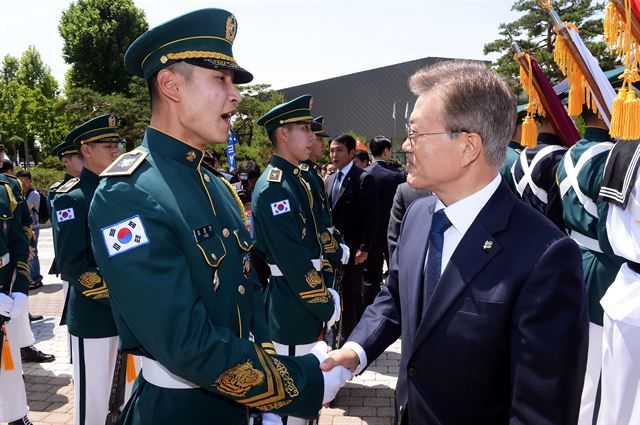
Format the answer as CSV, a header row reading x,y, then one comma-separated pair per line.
x,y
96,35
29,98
534,33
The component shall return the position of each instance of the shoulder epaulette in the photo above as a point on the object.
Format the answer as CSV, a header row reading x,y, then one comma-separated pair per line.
x,y
125,164
55,185
70,184
275,175
304,167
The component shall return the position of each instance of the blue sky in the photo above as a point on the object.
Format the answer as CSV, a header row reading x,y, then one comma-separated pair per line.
x,y
286,43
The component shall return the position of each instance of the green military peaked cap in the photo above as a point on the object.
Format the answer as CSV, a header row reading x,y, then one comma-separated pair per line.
x,y
63,149
203,38
297,110
102,128
316,126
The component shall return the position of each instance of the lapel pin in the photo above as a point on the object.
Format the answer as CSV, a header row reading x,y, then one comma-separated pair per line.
x,y
487,245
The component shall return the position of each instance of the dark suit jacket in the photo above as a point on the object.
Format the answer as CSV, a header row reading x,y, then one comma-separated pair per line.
x,y
404,196
355,214
387,181
504,339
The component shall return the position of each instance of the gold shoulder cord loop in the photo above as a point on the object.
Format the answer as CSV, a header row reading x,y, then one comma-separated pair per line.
x,y
236,198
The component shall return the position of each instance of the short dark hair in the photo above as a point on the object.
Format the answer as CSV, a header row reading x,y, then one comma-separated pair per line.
x,y
251,168
23,173
378,144
6,165
348,141
363,156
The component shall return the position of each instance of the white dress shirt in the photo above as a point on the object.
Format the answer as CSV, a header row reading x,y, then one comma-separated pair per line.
x,y
462,214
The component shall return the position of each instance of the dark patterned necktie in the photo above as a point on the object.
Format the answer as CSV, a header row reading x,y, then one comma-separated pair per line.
x,y
439,224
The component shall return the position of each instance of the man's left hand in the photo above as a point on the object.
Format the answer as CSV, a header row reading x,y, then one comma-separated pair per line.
x,y
361,257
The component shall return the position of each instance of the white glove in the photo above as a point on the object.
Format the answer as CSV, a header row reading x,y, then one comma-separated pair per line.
x,y
20,304
345,254
271,419
6,302
333,380
336,308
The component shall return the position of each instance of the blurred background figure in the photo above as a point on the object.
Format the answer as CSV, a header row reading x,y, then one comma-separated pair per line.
x,y
361,159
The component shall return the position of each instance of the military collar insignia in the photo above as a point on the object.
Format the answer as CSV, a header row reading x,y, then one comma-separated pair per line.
x,y
487,246
191,155
125,164
304,167
275,175
68,185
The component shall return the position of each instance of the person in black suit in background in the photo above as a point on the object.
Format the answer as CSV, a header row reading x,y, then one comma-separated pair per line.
x,y
486,292
352,193
387,180
404,197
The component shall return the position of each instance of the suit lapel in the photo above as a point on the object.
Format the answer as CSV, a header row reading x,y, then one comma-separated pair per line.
x,y
346,180
475,250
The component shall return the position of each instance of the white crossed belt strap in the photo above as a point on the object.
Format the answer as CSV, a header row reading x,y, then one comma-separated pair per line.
x,y
585,241
527,169
5,260
160,376
275,270
571,180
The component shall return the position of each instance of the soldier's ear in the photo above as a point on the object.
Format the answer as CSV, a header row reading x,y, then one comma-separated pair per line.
x,y
85,150
169,85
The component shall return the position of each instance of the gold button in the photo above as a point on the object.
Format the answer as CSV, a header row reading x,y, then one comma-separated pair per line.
x,y
207,178
241,289
296,171
225,232
214,256
163,59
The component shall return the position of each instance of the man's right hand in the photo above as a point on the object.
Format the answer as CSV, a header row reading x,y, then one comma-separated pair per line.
x,y
6,303
345,357
334,378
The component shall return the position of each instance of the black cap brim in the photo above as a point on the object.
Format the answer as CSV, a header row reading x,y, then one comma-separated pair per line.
x,y
240,75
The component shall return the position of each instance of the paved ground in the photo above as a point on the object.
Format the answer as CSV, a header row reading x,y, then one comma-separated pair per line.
x,y
368,399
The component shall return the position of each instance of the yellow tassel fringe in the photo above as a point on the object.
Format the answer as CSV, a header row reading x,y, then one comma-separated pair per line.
x,y
131,369
529,138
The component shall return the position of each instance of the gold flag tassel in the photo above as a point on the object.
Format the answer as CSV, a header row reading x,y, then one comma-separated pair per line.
x,y
529,138
7,360
625,118
131,369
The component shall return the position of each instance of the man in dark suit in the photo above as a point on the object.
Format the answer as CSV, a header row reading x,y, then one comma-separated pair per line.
x,y
405,196
486,293
387,180
352,193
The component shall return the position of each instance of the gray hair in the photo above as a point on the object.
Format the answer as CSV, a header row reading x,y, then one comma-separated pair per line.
x,y
475,98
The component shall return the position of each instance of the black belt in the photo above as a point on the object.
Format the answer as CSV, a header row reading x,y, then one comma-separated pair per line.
x,y
634,266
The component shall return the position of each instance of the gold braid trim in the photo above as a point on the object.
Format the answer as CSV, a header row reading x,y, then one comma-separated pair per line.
x,y
12,199
200,54
236,198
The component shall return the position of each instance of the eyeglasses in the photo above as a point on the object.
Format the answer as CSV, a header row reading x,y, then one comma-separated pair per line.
x,y
412,135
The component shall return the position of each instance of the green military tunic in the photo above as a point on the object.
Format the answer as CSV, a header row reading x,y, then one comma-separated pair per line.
x,y
14,242
171,243
50,197
87,312
513,153
22,222
330,238
600,268
286,235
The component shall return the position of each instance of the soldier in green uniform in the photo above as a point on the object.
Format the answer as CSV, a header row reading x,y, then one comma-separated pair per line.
x,y
579,177
334,249
72,163
169,237
287,235
14,287
87,312
513,150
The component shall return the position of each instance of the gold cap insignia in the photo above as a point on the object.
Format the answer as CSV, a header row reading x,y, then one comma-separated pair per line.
x,y
239,380
313,279
112,121
487,245
163,59
232,26
191,155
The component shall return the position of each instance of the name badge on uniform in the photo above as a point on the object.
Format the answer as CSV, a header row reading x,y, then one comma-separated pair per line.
x,y
280,207
124,236
65,215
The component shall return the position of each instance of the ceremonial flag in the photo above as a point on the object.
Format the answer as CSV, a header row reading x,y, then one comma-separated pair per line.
x,y
231,150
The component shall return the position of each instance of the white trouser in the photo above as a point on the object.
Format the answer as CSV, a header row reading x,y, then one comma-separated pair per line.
x,y
299,350
13,396
592,375
24,336
94,360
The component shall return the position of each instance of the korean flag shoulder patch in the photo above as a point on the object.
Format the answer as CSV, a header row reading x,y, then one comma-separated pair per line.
x,y
125,236
280,207
65,215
